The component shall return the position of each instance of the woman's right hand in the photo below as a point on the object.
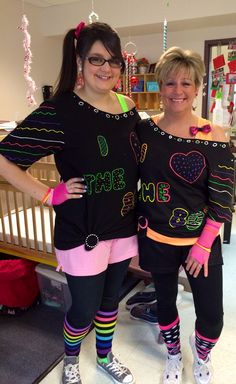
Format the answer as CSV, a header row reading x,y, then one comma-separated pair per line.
x,y
72,189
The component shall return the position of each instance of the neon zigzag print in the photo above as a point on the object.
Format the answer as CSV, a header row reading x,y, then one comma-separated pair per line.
x,y
30,146
221,183
39,130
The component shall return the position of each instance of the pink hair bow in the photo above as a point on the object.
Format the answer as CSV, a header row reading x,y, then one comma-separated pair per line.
x,y
205,129
78,29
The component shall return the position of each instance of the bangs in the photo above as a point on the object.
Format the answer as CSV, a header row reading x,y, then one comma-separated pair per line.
x,y
175,68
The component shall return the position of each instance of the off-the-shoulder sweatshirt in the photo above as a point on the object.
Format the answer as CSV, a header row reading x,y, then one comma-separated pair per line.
x,y
86,142
183,181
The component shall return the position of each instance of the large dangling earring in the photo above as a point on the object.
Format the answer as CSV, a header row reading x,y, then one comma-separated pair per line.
x,y
80,78
194,107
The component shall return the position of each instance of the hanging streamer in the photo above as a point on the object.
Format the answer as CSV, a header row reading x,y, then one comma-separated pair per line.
x,y
27,61
165,36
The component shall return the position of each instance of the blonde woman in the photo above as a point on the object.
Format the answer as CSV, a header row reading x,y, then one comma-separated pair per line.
x,y
186,193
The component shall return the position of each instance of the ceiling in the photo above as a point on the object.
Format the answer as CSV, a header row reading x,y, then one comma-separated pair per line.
x,y
49,3
180,25
173,26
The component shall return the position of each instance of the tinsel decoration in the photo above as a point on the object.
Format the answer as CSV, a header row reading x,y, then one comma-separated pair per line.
x,y
165,36
129,58
27,61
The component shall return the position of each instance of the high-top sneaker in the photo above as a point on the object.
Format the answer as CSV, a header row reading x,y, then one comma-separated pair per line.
x,y
116,370
202,369
70,374
173,369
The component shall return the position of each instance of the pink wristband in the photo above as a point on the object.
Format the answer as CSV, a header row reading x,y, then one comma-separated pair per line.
x,y
209,233
200,251
199,254
58,195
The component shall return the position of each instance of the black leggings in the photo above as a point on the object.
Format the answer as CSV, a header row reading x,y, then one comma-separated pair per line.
x,y
91,293
207,296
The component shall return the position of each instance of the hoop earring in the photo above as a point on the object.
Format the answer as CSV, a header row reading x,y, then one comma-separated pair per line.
x,y
194,107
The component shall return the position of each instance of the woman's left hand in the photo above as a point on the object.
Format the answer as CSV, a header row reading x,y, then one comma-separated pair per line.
x,y
72,189
194,267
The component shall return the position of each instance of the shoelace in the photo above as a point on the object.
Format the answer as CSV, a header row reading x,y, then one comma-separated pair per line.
x,y
72,373
117,367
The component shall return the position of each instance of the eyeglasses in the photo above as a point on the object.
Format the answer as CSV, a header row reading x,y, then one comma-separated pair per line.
x,y
98,61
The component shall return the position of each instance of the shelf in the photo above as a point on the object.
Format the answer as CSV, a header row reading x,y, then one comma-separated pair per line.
x,y
144,99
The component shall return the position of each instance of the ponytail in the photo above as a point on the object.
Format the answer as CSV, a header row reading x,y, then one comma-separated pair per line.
x,y
68,73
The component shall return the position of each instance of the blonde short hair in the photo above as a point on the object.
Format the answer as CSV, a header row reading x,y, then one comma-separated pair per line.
x,y
176,59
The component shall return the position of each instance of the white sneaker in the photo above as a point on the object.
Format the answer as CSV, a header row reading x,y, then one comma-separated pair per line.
x,y
173,369
202,370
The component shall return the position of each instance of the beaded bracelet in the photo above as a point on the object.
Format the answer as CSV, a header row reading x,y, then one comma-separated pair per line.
x,y
205,249
46,196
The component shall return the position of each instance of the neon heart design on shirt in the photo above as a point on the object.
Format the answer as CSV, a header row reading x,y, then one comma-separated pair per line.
x,y
188,166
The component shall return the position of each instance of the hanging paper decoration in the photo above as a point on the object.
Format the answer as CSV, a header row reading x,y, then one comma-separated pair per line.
x,y
165,36
27,61
93,16
129,57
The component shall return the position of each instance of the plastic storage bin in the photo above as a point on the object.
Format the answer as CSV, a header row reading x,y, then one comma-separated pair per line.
x,y
53,287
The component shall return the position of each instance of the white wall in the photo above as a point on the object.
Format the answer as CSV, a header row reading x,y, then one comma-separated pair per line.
x,y
47,25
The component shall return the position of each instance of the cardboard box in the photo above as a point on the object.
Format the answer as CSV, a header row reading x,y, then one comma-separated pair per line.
x,y
53,287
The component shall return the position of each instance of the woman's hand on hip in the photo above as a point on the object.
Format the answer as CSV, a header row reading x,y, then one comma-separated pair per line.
x,y
75,188
72,189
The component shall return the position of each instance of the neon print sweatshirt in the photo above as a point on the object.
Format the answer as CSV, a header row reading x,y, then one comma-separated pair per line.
x,y
86,142
183,181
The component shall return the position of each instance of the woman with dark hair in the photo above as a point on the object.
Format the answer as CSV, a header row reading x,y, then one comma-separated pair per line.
x,y
91,132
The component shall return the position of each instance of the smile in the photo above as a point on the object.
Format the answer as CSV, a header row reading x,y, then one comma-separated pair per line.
x,y
103,77
177,100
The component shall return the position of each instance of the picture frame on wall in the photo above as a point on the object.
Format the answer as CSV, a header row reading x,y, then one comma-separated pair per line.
x,y
152,68
230,78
